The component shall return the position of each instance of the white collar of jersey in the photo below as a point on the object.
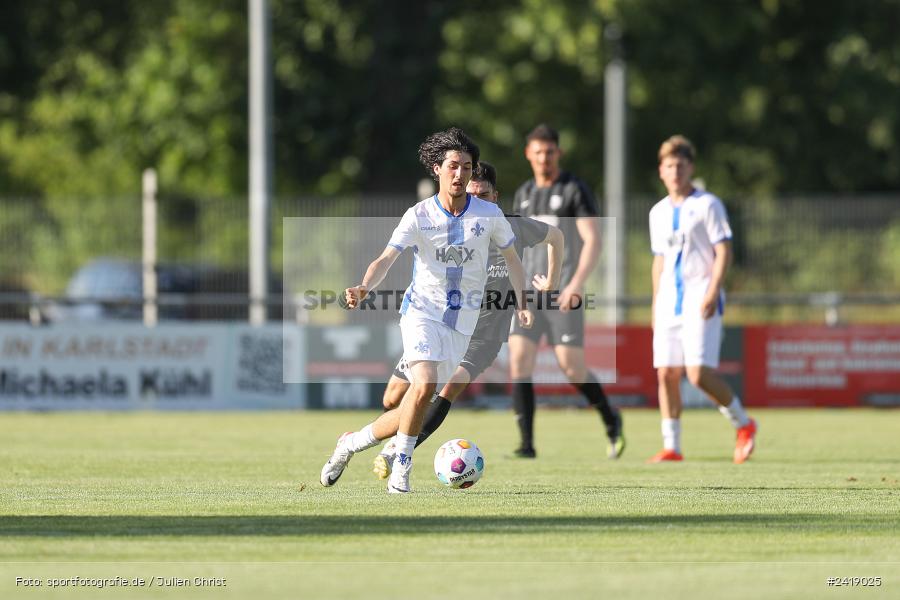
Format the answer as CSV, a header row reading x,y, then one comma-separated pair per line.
x,y
696,192
446,212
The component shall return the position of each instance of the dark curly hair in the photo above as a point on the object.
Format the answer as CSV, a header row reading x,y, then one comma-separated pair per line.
x,y
434,149
485,172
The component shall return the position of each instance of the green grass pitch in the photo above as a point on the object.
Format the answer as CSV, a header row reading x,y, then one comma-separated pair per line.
x,y
237,497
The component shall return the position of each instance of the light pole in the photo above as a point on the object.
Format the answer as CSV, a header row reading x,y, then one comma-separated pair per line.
x,y
260,158
614,173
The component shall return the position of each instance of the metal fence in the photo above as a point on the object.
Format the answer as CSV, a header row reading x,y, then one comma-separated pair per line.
x,y
830,258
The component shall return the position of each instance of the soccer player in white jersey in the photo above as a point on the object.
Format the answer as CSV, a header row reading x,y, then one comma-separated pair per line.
x,y
450,234
492,330
691,242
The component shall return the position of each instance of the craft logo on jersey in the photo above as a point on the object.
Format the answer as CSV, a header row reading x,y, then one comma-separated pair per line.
x,y
478,229
556,202
457,254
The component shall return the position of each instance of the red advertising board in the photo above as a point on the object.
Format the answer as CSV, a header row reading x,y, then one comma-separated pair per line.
x,y
822,366
801,365
620,357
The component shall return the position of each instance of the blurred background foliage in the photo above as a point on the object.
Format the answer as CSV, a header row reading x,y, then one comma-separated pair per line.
x,y
783,98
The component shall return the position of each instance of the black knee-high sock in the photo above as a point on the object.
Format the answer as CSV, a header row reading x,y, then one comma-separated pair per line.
x,y
523,404
437,412
597,397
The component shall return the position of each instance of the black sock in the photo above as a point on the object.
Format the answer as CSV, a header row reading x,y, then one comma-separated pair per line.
x,y
437,412
523,404
597,397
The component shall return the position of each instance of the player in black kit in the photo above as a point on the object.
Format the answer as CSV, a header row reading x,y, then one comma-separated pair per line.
x,y
492,330
559,198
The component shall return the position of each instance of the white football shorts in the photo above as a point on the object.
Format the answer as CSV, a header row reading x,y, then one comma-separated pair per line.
x,y
426,339
684,342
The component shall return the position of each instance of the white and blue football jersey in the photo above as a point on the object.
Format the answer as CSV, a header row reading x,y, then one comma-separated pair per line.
x,y
686,235
451,256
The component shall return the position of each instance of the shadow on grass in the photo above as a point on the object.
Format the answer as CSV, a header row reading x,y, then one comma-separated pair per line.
x,y
334,525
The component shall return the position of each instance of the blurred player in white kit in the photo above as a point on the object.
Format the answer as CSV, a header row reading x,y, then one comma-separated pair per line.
x,y
691,242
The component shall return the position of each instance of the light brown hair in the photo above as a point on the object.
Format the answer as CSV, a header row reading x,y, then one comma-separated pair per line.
x,y
677,145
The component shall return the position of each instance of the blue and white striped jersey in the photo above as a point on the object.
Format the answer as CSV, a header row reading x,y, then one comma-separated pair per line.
x,y
451,256
686,235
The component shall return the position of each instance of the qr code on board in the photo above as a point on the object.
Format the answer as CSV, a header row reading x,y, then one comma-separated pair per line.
x,y
260,366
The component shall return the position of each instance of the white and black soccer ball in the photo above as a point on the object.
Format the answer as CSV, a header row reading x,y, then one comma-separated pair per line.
x,y
459,464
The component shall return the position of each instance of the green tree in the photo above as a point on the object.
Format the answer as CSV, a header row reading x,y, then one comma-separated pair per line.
x,y
116,91
780,96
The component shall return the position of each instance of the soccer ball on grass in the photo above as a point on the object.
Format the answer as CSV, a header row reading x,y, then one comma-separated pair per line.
x,y
459,464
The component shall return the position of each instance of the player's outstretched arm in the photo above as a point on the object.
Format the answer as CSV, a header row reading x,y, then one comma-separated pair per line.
x,y
517,280
720,267
589,230
374,275
656,270
555,241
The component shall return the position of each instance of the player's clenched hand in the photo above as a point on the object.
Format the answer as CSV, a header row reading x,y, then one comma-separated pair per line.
x,y
541,283
708,308
526,318
569,298
354,295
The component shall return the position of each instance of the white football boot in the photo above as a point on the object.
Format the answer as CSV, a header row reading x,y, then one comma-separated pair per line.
x,y
398,482
335,466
